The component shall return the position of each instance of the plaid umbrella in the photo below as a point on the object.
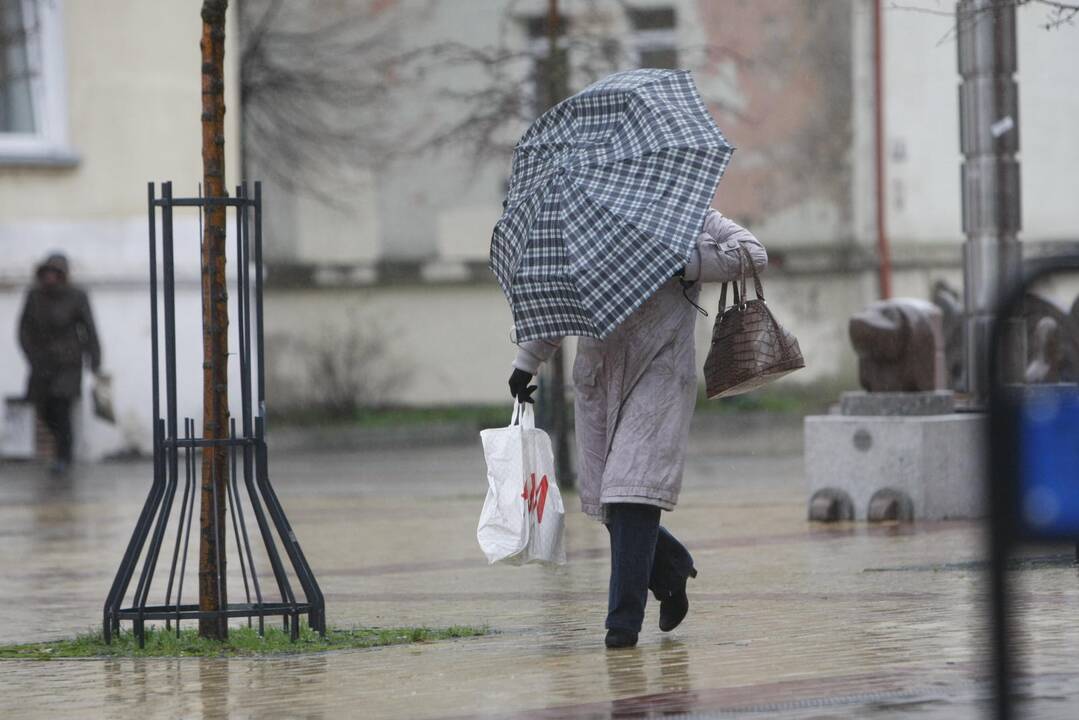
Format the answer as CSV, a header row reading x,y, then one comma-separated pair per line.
x,y
607,194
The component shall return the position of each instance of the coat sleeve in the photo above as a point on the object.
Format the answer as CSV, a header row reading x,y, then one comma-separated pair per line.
x,y
533,353
26,331
88,333
716,257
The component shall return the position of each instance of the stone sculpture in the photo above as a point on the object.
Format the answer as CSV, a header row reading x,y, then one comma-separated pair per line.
x,y
900,346
871,460
1052,335
1052,341
899,451
1044,354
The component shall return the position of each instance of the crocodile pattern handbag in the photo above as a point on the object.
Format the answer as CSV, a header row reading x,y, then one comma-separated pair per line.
x,y
749,346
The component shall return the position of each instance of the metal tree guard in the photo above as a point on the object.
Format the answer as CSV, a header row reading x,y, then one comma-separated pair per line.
x,y
175,459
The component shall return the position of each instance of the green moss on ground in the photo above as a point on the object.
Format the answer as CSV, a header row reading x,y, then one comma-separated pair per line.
x,y
241,642
782,398
478,416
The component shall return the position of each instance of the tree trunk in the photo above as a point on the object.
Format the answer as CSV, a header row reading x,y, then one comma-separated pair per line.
x,y
215,323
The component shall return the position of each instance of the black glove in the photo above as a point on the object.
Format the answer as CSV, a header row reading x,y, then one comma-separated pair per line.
x,y
519,387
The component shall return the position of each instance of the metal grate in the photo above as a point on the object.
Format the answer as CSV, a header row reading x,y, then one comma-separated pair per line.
x,y
252,502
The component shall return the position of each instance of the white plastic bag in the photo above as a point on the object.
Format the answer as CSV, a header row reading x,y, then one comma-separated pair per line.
x,y
523,519
102,397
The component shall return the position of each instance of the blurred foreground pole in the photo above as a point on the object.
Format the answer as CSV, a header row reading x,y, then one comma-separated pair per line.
x,y
215,325
551,411
992,256
884,253
989,138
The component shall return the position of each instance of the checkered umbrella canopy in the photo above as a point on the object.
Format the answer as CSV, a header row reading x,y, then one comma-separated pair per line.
x,y
607,194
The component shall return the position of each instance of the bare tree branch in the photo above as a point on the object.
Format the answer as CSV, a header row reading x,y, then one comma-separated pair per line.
x,y
310,93
1058,13
326,96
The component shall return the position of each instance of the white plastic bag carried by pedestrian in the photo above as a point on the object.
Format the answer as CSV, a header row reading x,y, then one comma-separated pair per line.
x,y
523,519
101,394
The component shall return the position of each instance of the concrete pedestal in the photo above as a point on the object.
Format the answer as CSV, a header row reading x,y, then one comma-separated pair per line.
x,y
927,467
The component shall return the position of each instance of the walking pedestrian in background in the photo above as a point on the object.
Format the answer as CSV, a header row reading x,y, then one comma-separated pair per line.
x,y
56,332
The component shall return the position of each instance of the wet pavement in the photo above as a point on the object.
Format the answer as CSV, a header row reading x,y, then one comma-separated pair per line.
x,y
788,620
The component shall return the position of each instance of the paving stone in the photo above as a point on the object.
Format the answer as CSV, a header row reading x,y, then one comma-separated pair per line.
x,y
936,402
785,620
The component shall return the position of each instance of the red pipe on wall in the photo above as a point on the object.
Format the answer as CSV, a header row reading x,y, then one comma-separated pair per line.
x,y
884,254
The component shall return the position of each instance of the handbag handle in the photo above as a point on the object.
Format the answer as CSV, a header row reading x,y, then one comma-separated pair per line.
x,y
723,287
758,288
740,294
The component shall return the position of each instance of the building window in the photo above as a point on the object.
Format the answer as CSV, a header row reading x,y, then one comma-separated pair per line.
x,y
16,107
654,38
33,114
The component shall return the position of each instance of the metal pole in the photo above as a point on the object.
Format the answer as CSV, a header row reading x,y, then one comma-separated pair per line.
x,y
552,414
138,538
884,253
261,362
992,255
989,138
1002,501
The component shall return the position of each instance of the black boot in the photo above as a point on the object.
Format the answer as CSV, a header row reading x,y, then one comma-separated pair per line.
x,y
633,529
672,610
620,638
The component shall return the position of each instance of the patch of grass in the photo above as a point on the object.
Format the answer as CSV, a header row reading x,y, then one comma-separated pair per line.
x,y
481,416
241,642
781,398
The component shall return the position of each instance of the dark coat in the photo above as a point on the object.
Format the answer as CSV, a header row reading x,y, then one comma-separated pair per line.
x,y
56,330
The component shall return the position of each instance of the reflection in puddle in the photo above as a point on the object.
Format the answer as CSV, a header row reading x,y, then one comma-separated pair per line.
x,y
650,680
214,688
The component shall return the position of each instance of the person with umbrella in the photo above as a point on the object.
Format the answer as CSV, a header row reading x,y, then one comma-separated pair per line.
x,y
607,234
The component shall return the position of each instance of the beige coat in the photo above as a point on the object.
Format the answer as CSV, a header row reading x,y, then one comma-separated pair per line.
x,y
636,389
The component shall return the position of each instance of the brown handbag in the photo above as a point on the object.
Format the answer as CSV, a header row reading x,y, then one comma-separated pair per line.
x,y
749,346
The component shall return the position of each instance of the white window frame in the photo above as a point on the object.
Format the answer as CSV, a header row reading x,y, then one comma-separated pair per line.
x,y
48,144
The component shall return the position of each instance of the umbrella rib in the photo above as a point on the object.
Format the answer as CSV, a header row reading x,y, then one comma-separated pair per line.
x,y
597,163
587,188
610,283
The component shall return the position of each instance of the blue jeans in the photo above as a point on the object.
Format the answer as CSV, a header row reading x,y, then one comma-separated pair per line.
x,y
644,556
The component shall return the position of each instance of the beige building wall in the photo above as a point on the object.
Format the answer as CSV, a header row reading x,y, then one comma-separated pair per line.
x,y
133,99
922,126
780,84
402,263
130,81
791,83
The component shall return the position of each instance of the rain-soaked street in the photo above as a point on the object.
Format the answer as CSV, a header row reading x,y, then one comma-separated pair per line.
x,y
787,620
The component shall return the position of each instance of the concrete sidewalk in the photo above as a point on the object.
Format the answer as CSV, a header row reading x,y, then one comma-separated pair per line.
x,y
787,620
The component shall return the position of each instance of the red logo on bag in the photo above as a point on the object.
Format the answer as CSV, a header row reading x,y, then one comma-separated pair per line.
x,y
536,495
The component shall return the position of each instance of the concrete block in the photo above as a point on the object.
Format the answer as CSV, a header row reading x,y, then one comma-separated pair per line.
x,y
926,467
934,402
